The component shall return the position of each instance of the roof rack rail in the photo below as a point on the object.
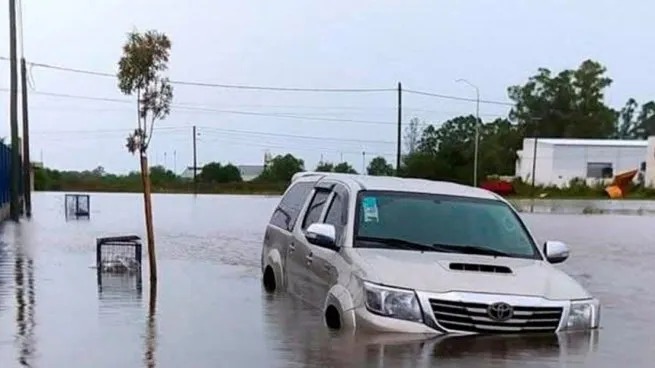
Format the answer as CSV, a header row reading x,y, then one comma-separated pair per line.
x,y
303,174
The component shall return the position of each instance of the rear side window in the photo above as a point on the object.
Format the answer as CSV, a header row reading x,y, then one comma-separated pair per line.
x,y
337,215
287,211
315,208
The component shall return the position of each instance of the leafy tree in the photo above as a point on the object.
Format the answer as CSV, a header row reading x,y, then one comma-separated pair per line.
x,y
325,167
452,144
344,168
447,152
567,105
424,165
214,172
99,171
631,125
626,122
380,167
282,168
160,175
42,181
645,126
140,71
499,141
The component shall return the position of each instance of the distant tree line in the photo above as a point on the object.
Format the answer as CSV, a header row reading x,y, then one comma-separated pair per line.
x,y
569,104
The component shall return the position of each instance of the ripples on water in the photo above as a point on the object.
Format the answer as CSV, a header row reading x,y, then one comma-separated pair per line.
x,y
209,309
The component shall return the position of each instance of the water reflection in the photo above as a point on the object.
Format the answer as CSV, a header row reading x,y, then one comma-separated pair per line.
x,y
303,339
25,300
151,327
585,206
208,311
119,286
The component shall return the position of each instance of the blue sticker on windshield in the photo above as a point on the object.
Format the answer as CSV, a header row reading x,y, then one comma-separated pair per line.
x,y
370,207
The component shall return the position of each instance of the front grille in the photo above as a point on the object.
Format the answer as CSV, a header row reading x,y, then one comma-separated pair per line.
x,y
473,317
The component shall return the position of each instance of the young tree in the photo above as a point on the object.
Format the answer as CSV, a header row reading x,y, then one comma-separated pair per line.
x,y
412,135
141,72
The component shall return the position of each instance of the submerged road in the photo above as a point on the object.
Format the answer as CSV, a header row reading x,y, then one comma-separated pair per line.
x,y
209,309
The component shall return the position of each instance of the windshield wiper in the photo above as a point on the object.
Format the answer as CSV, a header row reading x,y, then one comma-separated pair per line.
x,y
472,249
437,247
400,243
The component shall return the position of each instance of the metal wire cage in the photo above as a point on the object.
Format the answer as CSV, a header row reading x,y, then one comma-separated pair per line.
x,y
118,263
119,254
78,206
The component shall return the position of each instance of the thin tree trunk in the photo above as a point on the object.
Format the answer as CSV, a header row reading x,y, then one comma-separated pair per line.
x,y
147,202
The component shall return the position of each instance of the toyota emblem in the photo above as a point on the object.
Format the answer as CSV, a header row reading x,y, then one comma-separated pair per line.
x,y
500,312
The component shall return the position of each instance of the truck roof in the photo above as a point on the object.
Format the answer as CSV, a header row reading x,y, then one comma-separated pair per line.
x,y
389,183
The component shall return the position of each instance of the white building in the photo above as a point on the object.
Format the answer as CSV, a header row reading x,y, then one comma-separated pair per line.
x,y
250,172
188,172
560,160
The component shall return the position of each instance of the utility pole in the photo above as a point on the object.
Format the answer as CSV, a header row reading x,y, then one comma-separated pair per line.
x,y
534,166
14,209
476,143
363,162
27,164
195,163
400,120
535,132
175,162
534,161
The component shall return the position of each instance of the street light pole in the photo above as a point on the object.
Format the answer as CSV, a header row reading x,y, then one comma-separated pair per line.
x,y
476,143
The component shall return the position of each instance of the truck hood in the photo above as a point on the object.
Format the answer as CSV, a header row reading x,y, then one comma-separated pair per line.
x,y
430,272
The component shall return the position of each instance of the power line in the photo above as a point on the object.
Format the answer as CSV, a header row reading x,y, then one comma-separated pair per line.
x,y
95,131
249,132
212,130
287,147
281,89
285,116
366,109
216,85
221,111
252,141
271,88
457,98
77,97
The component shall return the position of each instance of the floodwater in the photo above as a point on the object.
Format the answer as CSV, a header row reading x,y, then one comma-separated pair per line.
x,y
209,309
586,206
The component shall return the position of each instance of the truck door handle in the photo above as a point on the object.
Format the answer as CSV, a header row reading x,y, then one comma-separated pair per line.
x,y
309,259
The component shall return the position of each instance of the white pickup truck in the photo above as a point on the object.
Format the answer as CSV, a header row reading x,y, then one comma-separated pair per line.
x,y
418,256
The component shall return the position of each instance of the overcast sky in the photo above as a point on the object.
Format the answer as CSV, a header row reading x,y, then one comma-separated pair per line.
x,y
426,45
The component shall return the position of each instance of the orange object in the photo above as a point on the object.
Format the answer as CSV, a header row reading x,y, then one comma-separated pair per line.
x,y
620,184
614,192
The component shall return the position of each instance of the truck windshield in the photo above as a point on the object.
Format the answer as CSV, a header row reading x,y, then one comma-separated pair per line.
x,y
446,223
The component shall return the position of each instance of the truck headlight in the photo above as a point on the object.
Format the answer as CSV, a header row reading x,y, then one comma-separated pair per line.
x,y
583,315
392,302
